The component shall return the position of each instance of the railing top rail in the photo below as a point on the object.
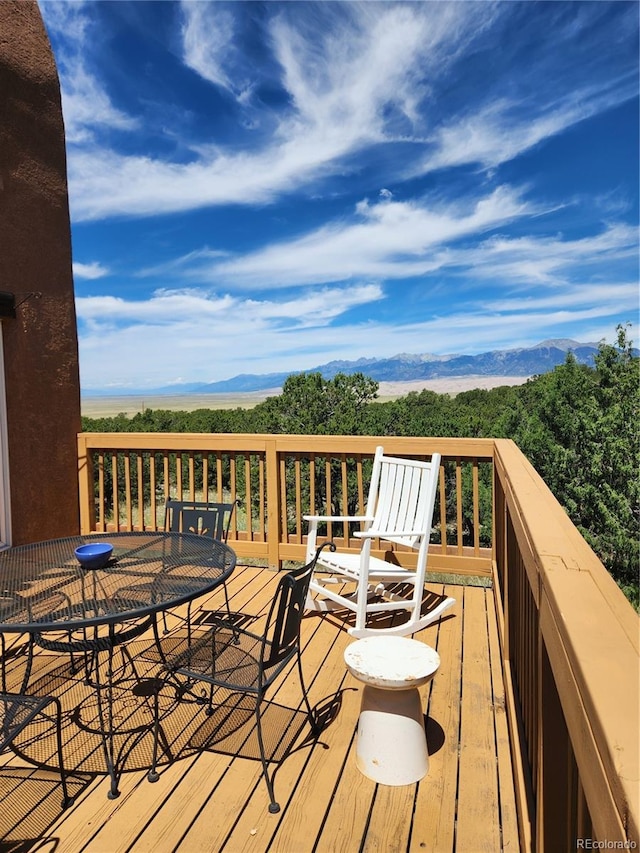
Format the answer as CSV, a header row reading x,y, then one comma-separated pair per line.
x,y
321,444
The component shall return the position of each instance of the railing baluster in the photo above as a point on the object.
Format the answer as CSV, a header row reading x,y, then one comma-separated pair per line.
x,y
219,480
262,503
312,486
233,483
442,497
476,509
298,499
192,476
102,523
248,485
344,497
283,499
360,478
179,491
140,476
459,527
328,496
152,491
116,502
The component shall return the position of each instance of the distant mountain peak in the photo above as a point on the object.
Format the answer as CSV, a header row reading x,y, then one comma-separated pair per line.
x,y
412,358
564,344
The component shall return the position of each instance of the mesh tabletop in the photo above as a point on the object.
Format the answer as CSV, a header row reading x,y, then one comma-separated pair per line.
x,y
43,587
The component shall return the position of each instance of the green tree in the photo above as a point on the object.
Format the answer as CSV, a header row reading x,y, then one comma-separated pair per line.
x,y
311,405
580,429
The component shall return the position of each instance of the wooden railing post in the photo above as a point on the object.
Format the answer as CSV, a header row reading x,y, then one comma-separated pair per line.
x,y
274,508
85,484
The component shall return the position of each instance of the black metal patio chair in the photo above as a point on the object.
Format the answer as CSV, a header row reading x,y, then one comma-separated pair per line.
x,y
243,662
204,518
17,711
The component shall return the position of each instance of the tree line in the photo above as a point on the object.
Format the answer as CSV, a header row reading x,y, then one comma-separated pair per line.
x,y
578,425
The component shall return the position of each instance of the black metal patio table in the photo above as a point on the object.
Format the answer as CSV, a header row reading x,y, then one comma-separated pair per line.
x,y
45,592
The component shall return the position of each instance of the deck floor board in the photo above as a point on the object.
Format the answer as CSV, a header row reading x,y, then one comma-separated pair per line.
x,y
211,796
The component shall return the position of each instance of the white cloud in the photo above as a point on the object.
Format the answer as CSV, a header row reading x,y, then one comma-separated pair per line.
x,y
393,240
610,297
184,307
503,129
192,260
354,76
165,307
210,49
389,239
545,260
90,271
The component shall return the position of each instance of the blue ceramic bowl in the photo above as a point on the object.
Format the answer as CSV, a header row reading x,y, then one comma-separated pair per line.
x,y
95,555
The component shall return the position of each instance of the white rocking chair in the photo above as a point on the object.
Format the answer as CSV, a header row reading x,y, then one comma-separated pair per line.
x,y
399,510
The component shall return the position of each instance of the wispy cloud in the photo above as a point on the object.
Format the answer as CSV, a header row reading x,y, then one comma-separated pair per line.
x,y
556,86
196,306
355,75
210,48
388,238
401,240
348,88
546,260
503,129
614,295
86,104
205,329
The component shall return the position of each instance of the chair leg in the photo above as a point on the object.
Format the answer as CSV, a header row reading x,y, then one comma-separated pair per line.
x,y
232,624
274,807
152,775
106,730
315,728
66,799
28,665
151,687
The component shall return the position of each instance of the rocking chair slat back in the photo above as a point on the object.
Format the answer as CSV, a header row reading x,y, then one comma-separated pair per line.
x,y
403,499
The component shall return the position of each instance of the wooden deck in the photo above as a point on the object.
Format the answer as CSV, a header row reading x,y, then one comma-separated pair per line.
x,y
211,796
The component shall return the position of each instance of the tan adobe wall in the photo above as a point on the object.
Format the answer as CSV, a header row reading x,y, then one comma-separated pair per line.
x,y
40,345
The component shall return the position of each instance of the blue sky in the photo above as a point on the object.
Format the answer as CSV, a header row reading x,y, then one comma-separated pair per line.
x,y
265,187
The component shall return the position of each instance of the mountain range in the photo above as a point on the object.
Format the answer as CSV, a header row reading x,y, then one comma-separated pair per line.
x,y
406,367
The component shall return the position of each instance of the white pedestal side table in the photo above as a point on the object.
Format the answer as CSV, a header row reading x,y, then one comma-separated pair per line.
x,y
391,742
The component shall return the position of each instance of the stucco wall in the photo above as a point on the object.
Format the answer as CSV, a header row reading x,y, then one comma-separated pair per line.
x,y
40,345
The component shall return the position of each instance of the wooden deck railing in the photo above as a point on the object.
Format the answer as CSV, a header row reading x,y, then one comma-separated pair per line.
x,y
570,643
125,479
569,638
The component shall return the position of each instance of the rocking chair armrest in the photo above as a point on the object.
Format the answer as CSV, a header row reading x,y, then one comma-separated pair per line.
x,y
385,534
338,517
